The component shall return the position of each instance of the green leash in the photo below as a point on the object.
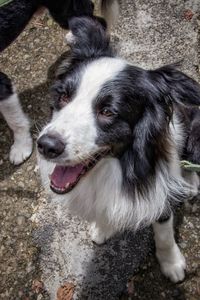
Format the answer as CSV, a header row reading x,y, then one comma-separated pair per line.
x,y
188,166
4,2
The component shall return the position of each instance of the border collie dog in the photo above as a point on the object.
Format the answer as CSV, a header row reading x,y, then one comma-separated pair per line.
x,y
111,150
14,16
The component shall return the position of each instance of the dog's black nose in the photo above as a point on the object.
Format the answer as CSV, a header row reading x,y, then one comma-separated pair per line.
x,y
50,146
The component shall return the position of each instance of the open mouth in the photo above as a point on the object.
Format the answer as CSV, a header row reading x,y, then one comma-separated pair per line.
x,y
65,178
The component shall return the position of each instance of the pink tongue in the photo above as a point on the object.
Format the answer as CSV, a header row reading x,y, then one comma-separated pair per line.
x,y
63,175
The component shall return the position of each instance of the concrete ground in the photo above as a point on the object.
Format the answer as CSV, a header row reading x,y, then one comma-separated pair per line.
x,y
47,254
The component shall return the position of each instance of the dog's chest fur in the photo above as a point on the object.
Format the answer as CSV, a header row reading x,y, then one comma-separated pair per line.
x,y
100,194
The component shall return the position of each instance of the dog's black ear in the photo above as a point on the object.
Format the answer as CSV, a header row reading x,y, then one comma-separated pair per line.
x,y
90,39
149,146
192,149
176,85
150,142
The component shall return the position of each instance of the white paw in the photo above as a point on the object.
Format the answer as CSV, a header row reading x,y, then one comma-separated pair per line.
x,y
172,263
20,151
97,235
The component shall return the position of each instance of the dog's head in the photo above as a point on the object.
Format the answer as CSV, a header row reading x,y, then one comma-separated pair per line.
x,y
105,107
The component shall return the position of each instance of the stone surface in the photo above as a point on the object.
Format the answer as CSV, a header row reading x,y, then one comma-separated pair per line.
x,y
39,241
156,32
69,255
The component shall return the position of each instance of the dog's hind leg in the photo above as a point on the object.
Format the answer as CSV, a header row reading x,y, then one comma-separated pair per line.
x,y
17,120
171,260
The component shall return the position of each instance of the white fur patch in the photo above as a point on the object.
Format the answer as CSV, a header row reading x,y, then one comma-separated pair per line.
x,y
70,38
19,123
98,197
171,260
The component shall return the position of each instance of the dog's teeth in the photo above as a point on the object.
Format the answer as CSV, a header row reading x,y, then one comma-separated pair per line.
x,y
67,185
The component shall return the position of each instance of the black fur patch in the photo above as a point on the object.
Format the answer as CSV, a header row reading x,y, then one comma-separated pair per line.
x,y
6,89
13,19
63,10
91,39
65,86
15,15
181,88
138,131
193,142
164,218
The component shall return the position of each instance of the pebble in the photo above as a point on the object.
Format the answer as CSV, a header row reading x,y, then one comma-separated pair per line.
x,y
21,220
29,168
21,184
183,245
36,169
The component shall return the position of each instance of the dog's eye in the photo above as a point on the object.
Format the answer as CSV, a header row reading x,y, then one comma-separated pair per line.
x,y
105,112
64,99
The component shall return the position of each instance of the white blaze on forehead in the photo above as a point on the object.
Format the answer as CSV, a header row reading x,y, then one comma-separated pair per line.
x,y
93,77
96,74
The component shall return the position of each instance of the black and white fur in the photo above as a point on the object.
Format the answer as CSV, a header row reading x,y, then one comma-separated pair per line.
x,y
14,16
100,101
17,120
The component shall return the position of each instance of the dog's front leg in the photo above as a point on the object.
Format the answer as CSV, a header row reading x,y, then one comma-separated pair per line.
x,y
171,260
19,123
100,232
